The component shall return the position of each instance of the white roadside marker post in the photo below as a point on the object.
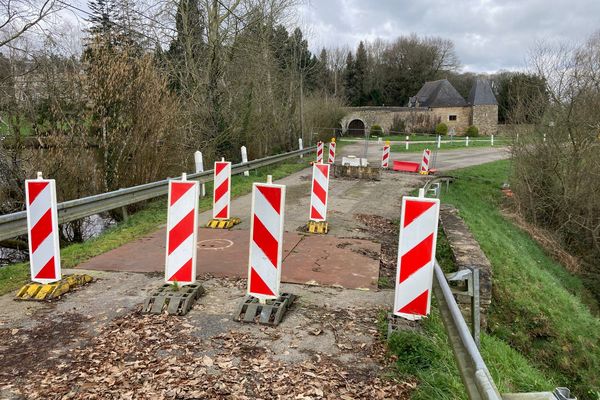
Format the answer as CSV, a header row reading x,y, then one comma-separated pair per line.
x,y
467,142
439,141
200,168
245,159
300,147
407,143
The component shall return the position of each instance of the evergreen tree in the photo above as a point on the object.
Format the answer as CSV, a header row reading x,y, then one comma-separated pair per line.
x,y
361,70
352,91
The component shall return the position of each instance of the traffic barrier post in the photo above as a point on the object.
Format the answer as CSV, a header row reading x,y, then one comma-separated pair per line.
x,y
385,157
42,227
416,257
331,151
222,197
264,302
424,170
318,199
319,152
182,231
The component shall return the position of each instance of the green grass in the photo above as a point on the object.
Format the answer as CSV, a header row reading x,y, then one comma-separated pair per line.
x,y
140,224
456,144
538,307
540,335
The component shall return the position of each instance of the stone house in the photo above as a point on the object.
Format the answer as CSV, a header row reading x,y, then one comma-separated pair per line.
x,y
437,101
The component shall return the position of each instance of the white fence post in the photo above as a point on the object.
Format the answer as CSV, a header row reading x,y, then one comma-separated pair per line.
x,y
467,142
245,159
407,143
300,146
439,141
200,168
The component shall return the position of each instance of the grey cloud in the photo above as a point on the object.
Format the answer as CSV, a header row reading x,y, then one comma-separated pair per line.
x,y
489,34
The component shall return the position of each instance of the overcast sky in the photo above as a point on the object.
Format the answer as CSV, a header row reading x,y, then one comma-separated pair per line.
x,y
488,34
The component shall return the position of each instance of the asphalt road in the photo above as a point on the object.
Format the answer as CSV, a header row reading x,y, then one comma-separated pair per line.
x,y
445,160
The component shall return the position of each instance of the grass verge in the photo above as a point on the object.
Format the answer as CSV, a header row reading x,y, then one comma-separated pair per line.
x,y
540,334
415,147
140,224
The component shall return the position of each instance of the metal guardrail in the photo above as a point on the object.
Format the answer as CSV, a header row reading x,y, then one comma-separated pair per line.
x,y
473,371
15,224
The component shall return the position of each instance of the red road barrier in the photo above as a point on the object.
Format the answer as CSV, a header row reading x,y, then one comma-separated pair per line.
x,y
425,162
319,192
319,152
406,166
222,190
42,227
385,157
182,232
416,256
332,151
266,240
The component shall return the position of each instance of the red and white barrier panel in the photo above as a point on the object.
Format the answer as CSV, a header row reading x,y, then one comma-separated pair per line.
x,y
319,152
42,227
332,152
319,192
416,257
182,232
222,190
425,161
385,157
266,240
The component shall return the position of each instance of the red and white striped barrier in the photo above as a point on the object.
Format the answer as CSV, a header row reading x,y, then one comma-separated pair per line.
x,y
319,192
222,190
385,157
425,161
319,152
332,152
182,231
266,240
416,256
42,227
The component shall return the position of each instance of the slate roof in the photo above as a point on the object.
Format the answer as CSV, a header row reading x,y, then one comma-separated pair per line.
x,y
439,93
481,93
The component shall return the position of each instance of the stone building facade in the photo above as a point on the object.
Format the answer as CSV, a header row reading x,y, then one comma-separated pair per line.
x,y
436,102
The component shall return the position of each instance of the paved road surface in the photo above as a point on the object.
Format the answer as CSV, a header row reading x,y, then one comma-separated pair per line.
x,y
96,336
446,160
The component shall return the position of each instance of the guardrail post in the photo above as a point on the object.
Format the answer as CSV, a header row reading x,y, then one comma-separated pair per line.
x,y
200,168
300,147
475,308
407,143
245,159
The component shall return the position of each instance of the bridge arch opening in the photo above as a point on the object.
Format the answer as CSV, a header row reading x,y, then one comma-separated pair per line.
x,y
356,127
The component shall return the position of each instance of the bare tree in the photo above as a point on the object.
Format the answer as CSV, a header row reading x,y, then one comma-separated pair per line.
x,y
20,16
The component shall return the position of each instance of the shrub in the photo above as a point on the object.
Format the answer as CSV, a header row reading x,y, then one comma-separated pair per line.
x,y
376,130
472,131
441,129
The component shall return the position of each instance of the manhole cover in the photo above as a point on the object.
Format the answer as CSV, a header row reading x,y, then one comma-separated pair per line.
x,y
214,244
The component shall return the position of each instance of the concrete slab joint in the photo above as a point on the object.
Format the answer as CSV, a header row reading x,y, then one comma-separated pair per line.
x,y
467,255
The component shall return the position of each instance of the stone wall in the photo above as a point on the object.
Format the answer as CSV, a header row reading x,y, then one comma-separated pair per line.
x,y
416,119
486,119
463,117
467,255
